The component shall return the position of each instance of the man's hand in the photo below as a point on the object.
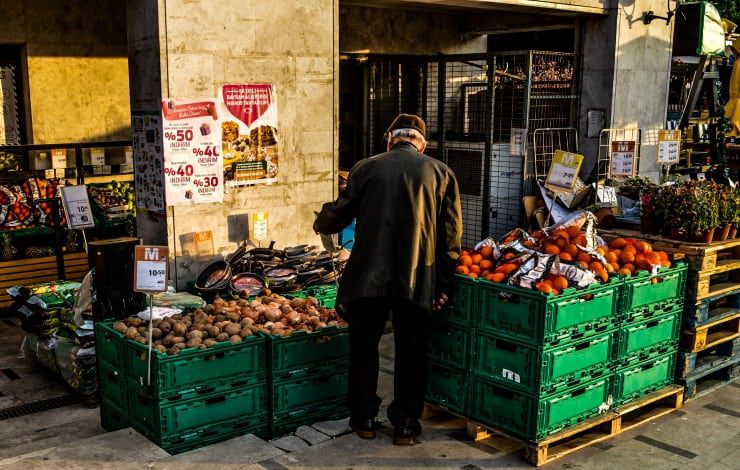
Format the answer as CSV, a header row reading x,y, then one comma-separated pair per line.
x,y
440,302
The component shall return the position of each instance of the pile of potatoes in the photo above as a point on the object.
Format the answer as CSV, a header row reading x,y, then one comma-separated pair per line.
x,y
231,321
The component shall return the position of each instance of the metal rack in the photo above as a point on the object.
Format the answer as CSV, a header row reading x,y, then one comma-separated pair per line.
x,y
604,160
482,111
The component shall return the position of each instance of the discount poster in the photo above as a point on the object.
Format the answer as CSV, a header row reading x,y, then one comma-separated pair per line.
x,y
193,165
249,133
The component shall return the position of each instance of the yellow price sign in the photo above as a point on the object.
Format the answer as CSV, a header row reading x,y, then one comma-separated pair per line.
x,y
203,243
259,226
669,146
564,171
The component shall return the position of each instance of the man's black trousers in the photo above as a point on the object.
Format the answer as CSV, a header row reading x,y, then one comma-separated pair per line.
x,y
367,320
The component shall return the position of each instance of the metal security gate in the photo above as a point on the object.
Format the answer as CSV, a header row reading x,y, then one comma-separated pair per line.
x,y
480,110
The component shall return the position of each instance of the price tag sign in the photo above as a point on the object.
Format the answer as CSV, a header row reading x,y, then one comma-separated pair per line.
x,y
259,226
77,207
563,172
59,158
150,268
623,158
518,142
669,146
203,243
97,156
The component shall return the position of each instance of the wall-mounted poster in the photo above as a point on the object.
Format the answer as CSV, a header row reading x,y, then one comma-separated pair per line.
x,y
193,167
148,161
249,130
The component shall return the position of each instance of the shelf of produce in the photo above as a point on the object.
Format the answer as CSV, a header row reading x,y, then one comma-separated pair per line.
x,y
33,270
99,179
29,232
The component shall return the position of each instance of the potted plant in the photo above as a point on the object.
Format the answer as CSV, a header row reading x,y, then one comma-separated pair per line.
x,y
701,215
726,207
651,214
669,199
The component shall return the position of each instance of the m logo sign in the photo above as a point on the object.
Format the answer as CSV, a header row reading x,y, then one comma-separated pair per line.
x,y
150,268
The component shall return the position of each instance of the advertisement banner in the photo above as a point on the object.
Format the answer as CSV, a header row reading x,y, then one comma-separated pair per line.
x,y
193,166
249,134
148,161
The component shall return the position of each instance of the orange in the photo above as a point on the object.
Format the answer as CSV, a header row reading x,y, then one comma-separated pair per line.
x,y
565,257
630,249
610,268
580,240
629,266
529,243
611,257
665,263
552,249
542,287
506,268
584,257
548,282
561,242
485,274
663,255
477,258
475,269
486,252
555,292
538,234
653,258
583,264
615,266
643,247
473,275
562,233
626,257
486,265
465,260
601,250
618,243
560,283
602,274
617,252
508,256
642,265
631,241
462,270
464,253
639,258
573,231
497,277
596,266
625,272
571,249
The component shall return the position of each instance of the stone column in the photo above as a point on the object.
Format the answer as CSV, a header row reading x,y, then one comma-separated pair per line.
x,y
189,49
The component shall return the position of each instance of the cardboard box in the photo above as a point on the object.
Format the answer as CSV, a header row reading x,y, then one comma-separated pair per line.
x,y
94,156
39,160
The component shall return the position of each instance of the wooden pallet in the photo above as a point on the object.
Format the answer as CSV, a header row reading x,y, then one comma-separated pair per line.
x,y
592,431
711,334
691,364
721,280
34,270
712,308
709,380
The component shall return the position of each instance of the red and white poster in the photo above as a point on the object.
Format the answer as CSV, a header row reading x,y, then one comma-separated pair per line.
x,y
249,133
193,165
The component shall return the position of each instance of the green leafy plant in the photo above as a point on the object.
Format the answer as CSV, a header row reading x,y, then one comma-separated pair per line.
x,y
726,204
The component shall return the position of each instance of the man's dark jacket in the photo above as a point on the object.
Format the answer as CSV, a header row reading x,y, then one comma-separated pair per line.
x,y
408,231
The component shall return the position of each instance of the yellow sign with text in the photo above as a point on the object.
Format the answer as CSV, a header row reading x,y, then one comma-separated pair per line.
x,y
564,171
259,226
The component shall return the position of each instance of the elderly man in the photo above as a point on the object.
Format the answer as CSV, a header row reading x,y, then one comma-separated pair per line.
x,y
407,241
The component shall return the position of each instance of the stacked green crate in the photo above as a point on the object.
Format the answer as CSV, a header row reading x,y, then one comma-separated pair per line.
x,y
650,324
190,400
309,375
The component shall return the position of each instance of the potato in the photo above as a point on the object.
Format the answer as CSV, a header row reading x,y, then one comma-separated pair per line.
x,y
180,329
179,346
218,318
120,327
235,339
293,318
209,309
233,316
298,303
131,332
176,317
245,332
201,347
165,327
143,330
161,348
141,340
173,351
178,340
286,309
241,303
156,333
222,337
272,314
194,343
209,343
168,340
232,329
213,330
195,334
246,322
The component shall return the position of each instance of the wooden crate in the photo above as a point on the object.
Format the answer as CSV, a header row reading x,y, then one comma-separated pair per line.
x,y
597,429
33,270
711,334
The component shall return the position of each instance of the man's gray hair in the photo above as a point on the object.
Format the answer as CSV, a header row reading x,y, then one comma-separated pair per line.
x,y
408,134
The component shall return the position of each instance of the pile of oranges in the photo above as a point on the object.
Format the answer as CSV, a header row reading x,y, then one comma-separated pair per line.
x,y
623,256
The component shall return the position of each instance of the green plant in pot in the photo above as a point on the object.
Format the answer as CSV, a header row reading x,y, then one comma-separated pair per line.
x,y
669,201
651,213
727,208
698,213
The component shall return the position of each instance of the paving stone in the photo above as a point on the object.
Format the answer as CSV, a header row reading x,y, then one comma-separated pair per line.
x,y
311,435
241,450
289,443
333,428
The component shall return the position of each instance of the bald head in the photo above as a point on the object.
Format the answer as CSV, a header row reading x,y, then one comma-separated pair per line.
x,y
412,136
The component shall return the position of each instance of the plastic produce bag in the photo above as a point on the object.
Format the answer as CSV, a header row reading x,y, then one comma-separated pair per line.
x,y
76,364
83,299
177,300
42,350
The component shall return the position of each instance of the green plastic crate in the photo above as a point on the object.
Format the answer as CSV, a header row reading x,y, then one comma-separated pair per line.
x,y
538,318
635,338
326,294
306,393
109,345
542,371
464,307
644,288
448,343
301,353
216,432
653,310
162,419
112,418
284,423
531,417
447,387
633,382
195,371
112,387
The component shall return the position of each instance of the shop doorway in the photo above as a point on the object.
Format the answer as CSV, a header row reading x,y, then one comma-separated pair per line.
x,y
480,110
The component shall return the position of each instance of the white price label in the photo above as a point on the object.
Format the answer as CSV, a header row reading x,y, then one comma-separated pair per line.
x,y
259,226
97,156
150,268
563,171
518,142
77,207
669,147
623,158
